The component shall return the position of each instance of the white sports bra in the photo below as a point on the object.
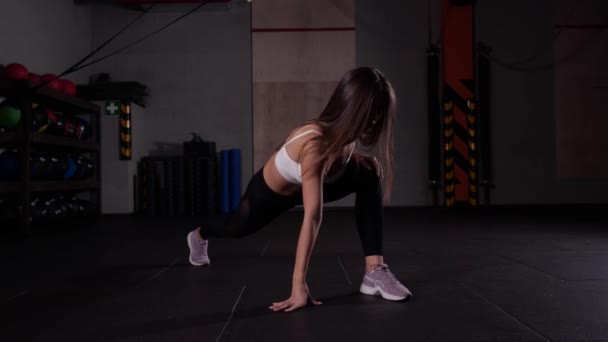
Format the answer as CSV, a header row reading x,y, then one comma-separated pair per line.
x,y
292,170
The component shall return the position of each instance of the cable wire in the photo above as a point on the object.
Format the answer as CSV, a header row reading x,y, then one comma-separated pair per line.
x,y
550,66
104,44
141,39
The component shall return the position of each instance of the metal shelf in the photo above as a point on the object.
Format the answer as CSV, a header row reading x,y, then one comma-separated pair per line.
x,y
52,98
68,185
23,95
12,138
53,140
10,187
9,138
62,102
50,186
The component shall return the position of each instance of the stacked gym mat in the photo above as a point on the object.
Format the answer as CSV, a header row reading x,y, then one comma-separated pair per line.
x,y
192,185
161,186
201,187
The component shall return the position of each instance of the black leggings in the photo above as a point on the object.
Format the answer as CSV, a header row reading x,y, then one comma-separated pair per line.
x,y
260,205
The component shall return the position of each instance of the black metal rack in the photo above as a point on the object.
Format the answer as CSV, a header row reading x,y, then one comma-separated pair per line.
x,y
24,141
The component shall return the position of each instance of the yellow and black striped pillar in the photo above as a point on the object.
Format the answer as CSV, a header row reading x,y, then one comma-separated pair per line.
x,y
125,130
472,144
448,153
460,132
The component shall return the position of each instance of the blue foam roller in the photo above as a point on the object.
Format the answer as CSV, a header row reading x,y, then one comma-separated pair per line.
x,y
235,178
224,182
9,165
71,171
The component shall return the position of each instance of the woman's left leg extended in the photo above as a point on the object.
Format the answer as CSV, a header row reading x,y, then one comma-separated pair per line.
x,y
258,206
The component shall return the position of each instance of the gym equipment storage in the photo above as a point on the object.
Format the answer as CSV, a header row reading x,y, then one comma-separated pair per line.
x,y
22,138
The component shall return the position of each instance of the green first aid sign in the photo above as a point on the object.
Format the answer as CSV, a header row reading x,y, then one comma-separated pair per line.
x,y
112,107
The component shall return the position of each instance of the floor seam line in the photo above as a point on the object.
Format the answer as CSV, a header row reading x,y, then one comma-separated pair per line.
x,y
158,273
532,267
479,294
238,299
20,294
344,270
265,248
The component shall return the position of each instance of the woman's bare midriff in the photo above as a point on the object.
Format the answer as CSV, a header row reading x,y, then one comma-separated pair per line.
x,y
275,180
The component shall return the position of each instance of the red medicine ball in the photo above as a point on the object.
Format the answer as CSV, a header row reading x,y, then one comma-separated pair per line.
x,y
53,82
69,88
34,79
16,71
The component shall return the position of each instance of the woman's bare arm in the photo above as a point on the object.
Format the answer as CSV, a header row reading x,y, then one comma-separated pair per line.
x,y
312,194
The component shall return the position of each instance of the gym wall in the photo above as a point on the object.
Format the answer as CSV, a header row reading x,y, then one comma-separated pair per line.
x,y
296,70
117,175
525,121
198,73
393,38
45,36
526,114
581,87
301,49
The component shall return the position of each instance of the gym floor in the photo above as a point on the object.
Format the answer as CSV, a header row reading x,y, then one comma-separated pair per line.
x,y
512,276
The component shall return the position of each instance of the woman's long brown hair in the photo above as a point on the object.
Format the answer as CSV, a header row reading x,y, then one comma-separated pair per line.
x,y
362,109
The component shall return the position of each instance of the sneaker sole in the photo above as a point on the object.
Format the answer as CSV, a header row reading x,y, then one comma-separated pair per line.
x,y
377,291
190,256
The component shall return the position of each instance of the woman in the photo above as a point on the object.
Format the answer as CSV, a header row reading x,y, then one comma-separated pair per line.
x,y
317,164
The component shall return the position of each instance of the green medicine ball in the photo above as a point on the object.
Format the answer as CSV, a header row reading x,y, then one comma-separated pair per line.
x,y
9,116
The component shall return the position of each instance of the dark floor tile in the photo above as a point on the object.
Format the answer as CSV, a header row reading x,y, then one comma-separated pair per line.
x,y
182,303
450,241
438,312
569,266
480,279
562,311
581,238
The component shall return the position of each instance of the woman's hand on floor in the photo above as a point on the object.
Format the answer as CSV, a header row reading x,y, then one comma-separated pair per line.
x,y
300,295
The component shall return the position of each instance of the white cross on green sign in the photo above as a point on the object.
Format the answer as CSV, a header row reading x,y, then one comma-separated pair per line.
x,y
112,107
